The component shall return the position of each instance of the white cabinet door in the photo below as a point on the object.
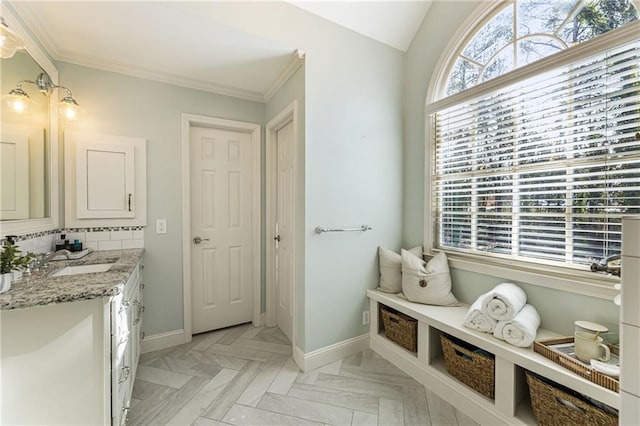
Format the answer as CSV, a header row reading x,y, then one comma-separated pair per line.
x,y
125,345
14,171
105,180
136,323
22,184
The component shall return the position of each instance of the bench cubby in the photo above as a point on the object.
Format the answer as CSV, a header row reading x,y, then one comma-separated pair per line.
x,y
511,405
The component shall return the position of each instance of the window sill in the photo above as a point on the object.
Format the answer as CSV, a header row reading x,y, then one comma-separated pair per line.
x,y
572,281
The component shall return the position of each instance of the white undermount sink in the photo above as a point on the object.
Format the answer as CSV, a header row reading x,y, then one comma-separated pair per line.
x,y
83,269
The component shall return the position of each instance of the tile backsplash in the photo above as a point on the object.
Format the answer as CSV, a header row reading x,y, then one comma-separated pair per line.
x,y
106,238
39,244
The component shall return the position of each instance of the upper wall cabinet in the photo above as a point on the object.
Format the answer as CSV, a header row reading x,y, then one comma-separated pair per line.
x,y
105,180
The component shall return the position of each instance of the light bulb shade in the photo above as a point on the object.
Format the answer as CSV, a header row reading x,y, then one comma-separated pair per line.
x,y
17,101
10,42
68,108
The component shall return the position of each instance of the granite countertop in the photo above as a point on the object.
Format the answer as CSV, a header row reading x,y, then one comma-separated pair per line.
x,y
40,288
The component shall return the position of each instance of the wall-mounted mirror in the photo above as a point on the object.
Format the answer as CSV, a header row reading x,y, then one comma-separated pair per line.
x,y
29,142
24,152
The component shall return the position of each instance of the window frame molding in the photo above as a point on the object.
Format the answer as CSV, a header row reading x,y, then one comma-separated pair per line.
x,y
570,280
480,16
567,279
628,33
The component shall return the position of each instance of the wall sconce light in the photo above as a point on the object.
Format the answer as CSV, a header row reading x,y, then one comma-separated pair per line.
x,y
19,101
10,42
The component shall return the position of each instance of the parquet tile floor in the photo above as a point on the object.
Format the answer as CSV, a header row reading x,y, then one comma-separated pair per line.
x,y
245,375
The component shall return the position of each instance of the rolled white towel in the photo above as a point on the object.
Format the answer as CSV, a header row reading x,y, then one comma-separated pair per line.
x,y
504,301
521,330
477,319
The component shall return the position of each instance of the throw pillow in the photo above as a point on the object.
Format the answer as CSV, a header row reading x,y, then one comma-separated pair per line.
x,y
430,284
391,269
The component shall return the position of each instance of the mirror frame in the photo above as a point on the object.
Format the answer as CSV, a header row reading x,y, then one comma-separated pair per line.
x,y
28,226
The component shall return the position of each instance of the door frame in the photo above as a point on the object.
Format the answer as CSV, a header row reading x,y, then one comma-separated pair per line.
x,y
288,115
192,120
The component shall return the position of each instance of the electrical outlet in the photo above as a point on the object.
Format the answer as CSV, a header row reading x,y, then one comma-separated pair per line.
x,y
161,226
365,317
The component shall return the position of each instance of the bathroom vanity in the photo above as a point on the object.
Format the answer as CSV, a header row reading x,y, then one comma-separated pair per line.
x,y
71,341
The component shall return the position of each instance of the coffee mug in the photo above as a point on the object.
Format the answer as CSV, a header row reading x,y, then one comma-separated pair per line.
x,y
589,346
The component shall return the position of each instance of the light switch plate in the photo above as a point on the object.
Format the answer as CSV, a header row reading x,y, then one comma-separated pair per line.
x,y
161,226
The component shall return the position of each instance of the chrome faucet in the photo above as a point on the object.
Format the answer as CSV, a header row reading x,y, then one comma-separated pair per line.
x,y
44,258
51,255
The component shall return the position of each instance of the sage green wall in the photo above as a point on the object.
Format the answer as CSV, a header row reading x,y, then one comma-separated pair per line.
x,y
128,106
294,89
558,309
353,176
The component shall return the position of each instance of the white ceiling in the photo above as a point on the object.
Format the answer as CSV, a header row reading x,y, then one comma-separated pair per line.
x,y
217,46
390,22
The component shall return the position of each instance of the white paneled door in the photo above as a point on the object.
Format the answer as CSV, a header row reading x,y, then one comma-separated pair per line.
x,y
221,228
284,228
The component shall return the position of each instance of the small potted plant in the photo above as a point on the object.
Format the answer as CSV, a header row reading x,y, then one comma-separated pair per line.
x,y
22,264
12,261
8,257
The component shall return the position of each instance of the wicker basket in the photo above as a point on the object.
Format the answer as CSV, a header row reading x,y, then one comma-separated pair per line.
x,y
544,348
469,365
400,328
554,406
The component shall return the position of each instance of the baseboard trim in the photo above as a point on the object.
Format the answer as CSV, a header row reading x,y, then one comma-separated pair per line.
x,y
328,354
163,340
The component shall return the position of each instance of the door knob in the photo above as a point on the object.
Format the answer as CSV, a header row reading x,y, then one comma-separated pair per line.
x,y
198,240
277,238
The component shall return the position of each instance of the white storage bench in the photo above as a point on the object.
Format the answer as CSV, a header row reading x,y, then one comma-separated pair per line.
x,y
511,405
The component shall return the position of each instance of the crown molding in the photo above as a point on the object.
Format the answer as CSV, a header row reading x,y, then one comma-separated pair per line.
x,y
161,77
297,59
25,12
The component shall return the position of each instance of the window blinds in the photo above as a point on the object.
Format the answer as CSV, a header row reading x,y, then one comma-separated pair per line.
x,y
543,168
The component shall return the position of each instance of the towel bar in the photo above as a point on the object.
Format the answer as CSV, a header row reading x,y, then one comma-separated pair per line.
x,y
320,229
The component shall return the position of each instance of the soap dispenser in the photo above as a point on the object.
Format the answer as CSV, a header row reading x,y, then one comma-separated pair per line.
x,y
60,244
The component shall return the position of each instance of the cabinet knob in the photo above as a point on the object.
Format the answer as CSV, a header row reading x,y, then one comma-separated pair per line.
x,y
125,416
124,337
124,374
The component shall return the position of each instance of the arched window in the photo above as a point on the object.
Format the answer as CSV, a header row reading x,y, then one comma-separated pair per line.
x,y
534,138
519,33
